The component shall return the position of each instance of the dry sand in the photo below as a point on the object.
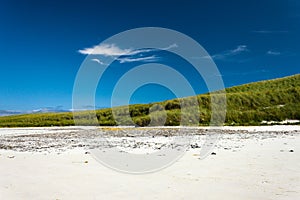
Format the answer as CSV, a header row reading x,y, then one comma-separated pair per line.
x,y
253,163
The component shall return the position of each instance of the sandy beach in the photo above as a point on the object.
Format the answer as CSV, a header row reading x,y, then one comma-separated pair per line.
x,y
246,163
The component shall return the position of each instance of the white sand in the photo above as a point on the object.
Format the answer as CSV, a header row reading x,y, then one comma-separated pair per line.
x,y
248,166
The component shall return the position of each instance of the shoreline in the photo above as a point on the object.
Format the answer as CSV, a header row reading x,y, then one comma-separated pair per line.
x,y
37,130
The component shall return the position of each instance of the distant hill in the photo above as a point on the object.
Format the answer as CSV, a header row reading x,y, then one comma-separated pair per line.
x,y
249,104
8,112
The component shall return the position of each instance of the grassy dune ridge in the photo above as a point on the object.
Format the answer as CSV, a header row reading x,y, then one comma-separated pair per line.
x,y
248,104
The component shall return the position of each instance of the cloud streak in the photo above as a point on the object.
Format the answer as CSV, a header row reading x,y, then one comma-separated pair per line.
x,y
98,61
273,53
105,50
139,59
114,51
269,31
237,50
123,55
232,52
170,47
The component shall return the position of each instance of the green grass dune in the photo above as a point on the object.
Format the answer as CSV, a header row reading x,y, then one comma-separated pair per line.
x,y
248,104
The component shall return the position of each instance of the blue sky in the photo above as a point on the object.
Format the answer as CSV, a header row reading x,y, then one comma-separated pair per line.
x,y
42,44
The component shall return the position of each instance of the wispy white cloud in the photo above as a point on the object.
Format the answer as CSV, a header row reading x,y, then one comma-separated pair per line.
x,y
274,53
139,59
228,53
98,61
269,31
113,50
170,47
105,50
237,50
245,73
123,55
